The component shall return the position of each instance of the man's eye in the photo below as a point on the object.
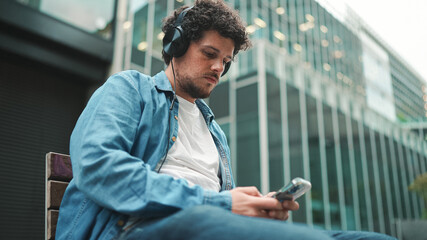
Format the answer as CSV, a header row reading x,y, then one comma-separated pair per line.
x,y
210,55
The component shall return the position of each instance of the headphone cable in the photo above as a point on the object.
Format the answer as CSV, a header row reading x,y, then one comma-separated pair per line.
x,y
174,87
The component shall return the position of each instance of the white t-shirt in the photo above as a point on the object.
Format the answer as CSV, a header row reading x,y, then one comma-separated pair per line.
x,y
193,156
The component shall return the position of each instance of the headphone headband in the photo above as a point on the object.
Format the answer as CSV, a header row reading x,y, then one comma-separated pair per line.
x,y
181,16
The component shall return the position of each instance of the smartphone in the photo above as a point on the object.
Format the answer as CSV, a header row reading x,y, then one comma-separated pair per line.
x,y
295,189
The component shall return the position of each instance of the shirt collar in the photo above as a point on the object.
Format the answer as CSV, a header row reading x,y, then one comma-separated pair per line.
x,y
206,111
162,83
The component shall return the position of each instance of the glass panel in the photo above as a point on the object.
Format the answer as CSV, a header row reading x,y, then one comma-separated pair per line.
x,y
159,14
292,26
315,165
359,177
390,175
411,168
347,171
157,65
236,4
332,169
94,16
219,101
381,164
404,182
246,62
316,35
295,144
283,25
370,159
407,158
139,35
247,137
249,12
403,189
424,163
271,27
274,133
226,129
424,171
178,3
418,165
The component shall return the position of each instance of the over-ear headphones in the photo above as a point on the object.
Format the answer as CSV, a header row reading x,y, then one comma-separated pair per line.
x,y
174,42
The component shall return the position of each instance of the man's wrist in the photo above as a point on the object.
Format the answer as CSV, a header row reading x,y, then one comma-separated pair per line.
x,y
220,199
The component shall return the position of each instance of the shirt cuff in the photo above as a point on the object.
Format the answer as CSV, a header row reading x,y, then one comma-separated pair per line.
x,y
220,199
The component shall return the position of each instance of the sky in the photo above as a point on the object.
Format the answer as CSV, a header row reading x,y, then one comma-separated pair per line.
x,y
402,24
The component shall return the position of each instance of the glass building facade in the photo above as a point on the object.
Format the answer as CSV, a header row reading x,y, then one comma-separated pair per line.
x,y
319,96
316,97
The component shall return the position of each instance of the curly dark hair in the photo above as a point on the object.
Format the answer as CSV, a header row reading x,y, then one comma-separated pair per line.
x,y
209,15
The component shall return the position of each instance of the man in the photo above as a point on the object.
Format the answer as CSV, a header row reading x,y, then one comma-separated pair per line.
x,y
149,160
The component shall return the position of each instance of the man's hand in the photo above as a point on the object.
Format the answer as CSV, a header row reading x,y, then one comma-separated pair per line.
x,y
287,206
249,201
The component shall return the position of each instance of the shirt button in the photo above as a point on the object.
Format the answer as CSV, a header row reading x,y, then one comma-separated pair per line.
x,y
174,139
120,223
176,117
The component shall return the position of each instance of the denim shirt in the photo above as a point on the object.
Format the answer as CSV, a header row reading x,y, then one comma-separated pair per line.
x,y
115,146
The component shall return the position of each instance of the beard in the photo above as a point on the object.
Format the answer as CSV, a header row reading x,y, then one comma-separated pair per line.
x,y
189,86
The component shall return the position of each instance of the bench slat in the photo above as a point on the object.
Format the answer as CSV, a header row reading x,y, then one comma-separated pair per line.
x,y
52,219
59,167
58,174
56,190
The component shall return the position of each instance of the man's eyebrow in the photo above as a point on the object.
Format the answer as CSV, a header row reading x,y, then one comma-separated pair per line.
x,y
217,50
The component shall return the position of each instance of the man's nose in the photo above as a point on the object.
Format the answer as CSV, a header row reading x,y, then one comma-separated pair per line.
x,y
218,66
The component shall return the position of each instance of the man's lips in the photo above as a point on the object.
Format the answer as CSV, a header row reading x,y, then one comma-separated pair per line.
x,y
213,79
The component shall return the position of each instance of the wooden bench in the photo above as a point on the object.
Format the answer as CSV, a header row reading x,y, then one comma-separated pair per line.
x,y
58,175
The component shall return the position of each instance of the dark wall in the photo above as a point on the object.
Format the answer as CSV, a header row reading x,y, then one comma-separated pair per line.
x,y
47,70
38,109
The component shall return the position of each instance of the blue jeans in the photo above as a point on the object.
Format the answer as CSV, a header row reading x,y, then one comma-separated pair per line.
x,y
208,222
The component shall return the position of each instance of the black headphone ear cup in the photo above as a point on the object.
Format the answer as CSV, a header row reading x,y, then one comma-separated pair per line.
x,y
168,42
181,44
226,67
174,43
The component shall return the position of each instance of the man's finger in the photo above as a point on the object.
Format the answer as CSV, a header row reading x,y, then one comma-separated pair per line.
x,y
264,214
270,194
278,214
267,204
290,205
253,191
286,216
